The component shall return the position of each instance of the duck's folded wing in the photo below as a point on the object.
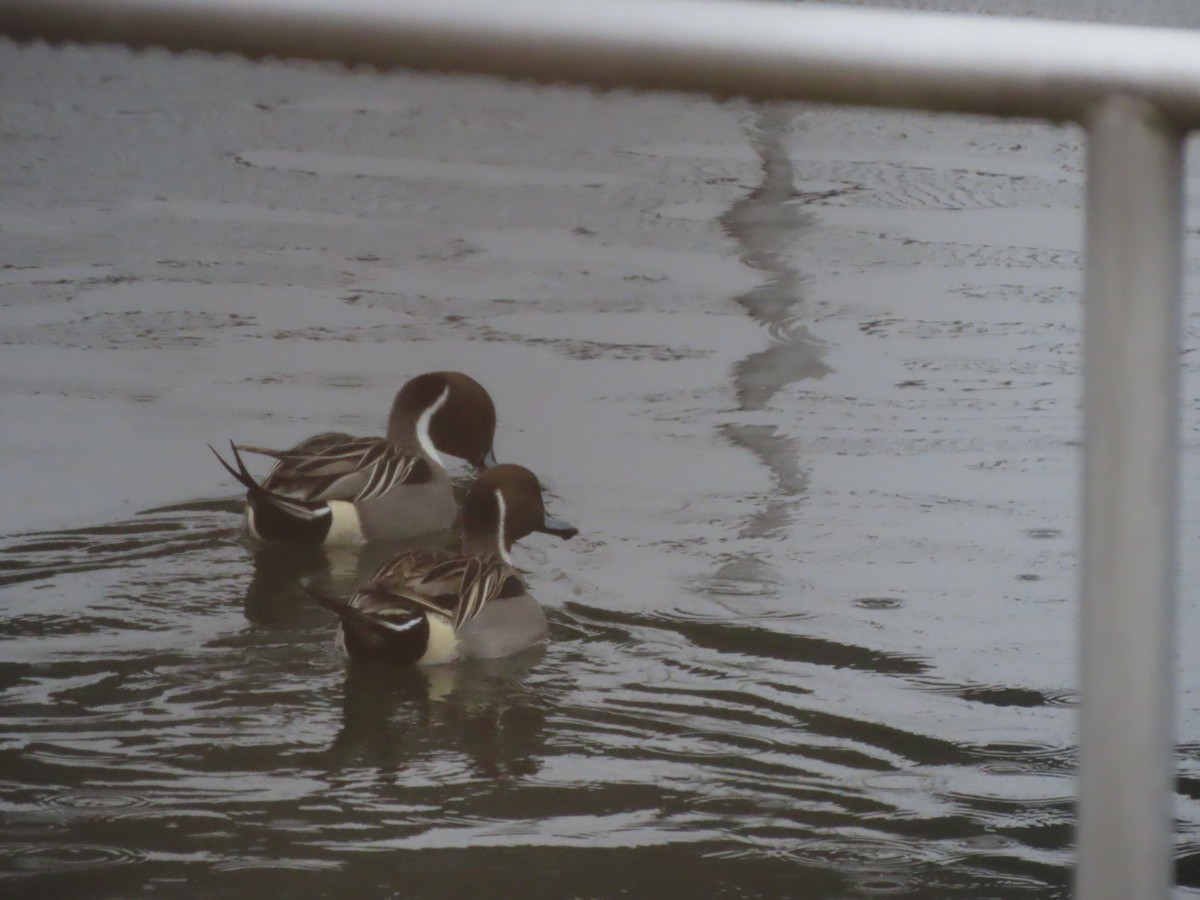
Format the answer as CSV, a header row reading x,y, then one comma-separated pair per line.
x,y
457,586
330,453
340,467
392,469
483,580
426,571
376,600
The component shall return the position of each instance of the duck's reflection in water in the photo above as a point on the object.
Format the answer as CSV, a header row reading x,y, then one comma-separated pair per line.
x,y
395,716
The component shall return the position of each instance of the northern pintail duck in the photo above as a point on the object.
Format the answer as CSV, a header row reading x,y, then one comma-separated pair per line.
x,y
334,488
428,608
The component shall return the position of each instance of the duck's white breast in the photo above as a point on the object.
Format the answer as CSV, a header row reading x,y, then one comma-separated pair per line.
x,y
346,526
443,644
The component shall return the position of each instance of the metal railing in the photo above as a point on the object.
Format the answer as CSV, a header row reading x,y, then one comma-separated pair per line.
x,y
1135,90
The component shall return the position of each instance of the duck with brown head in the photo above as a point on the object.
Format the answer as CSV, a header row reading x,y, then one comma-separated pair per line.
x,y
334,488
425,608
454,415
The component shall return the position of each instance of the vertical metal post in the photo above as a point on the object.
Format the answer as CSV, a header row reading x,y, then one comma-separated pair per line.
x,y
1131,459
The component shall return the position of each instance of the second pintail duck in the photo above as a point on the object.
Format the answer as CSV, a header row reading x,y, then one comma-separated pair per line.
x,y
334,488
426,608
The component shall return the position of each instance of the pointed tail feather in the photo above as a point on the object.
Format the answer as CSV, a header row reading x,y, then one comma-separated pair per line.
x,y
274,517
305,510
342,609
243,477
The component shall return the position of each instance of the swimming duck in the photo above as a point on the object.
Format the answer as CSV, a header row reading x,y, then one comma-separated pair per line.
x,y
334,488
428,608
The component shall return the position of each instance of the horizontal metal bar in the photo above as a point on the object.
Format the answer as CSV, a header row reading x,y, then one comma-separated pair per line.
x,y
987,65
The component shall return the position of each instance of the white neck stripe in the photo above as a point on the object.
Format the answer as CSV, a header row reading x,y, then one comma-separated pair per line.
x,y
423,437
500,528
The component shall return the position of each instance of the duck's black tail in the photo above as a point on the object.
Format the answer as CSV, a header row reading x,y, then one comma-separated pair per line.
x,y
401,638
274,517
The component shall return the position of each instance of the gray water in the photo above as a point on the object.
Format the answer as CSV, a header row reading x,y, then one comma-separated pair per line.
x,y
806,379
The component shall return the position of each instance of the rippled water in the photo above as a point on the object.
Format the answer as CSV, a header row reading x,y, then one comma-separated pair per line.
x,y
806,380
176,720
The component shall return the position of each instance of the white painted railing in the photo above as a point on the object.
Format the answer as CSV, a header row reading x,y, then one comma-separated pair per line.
x,y
1135,90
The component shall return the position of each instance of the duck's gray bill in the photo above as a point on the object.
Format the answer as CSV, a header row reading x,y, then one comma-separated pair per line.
x,y
558,527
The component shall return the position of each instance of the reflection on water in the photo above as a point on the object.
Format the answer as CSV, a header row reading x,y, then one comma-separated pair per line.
x,y
766,224
482,711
